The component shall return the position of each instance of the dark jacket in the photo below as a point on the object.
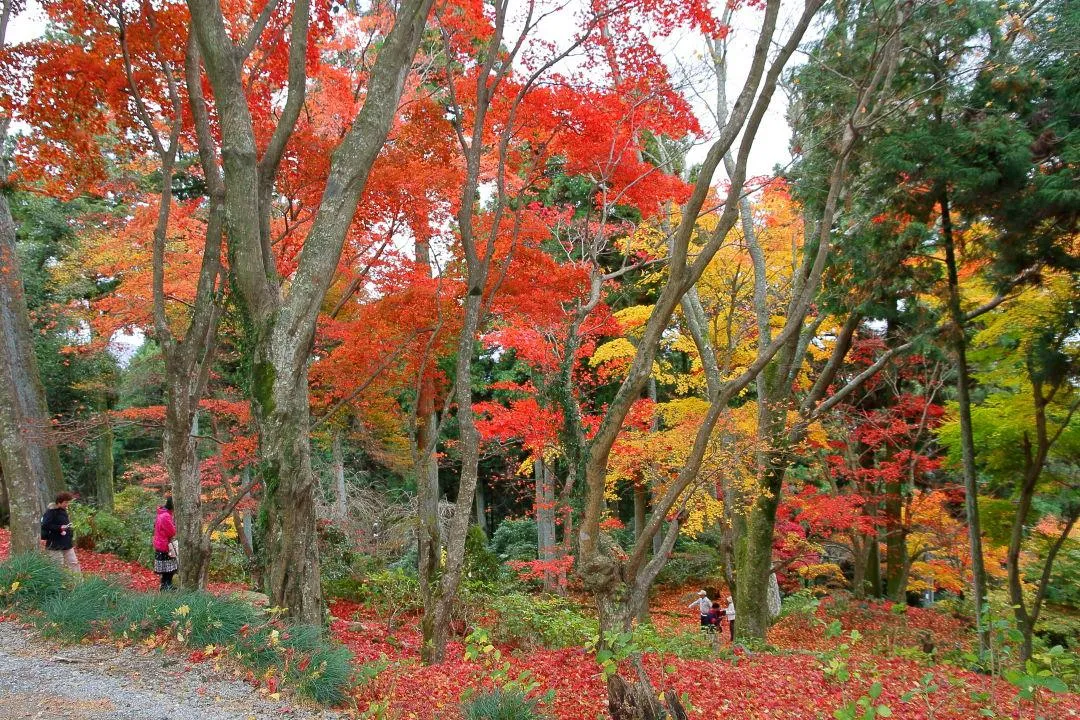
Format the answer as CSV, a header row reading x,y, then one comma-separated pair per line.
x,y
53,532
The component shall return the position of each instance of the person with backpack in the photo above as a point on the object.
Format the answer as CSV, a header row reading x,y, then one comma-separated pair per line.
x,y
166,560
56,533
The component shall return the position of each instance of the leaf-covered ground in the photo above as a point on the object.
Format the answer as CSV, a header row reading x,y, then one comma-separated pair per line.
x,y
786,683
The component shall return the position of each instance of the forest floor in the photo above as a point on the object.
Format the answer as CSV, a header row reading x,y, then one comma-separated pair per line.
x,y
108,679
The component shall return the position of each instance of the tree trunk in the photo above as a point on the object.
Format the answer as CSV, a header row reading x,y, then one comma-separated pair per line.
x,y
280,321
545,521
182,467
481,506
754,564
5,511
873,566
338,462
442,594
289,487
30,463
104,488
967,437
896,559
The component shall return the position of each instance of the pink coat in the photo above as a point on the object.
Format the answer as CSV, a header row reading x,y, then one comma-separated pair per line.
x,y
164,530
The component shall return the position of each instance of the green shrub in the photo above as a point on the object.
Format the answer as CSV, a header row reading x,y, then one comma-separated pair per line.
x,y
29,579
803,602
529,620
90,608
688,645
480,563
693,562
515,540
501,705
125,532
392,593
145,614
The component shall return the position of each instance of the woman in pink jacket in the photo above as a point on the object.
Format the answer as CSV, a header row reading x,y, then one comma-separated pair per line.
x,y
165,560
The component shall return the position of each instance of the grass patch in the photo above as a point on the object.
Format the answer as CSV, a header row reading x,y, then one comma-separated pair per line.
x,y
29,579
501,704
90,608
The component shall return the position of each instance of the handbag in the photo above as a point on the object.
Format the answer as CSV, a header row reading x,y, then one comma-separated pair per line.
x,y
174,549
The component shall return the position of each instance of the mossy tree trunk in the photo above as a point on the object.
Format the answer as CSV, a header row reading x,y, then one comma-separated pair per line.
x,y
29,461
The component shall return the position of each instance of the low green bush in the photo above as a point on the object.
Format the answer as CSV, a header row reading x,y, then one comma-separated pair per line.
x,y
209,620
689,645
515,540
803,602
530,620
501,704
126,531
29,579
392,593
691,563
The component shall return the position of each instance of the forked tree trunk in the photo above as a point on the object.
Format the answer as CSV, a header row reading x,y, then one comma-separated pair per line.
x,y
280,320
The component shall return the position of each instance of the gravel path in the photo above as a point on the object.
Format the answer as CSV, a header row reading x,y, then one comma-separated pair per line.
x,y
39,679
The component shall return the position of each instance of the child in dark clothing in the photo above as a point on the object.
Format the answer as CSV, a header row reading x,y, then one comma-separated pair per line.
x,y
716,617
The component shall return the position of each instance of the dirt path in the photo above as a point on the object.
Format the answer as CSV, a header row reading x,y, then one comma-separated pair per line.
x,y
39,679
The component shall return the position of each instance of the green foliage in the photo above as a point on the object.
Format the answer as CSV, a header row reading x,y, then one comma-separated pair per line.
x,y
480,562
29,579
691,563
338,557
391,593
688,645
611,648
1064,586
803,602
995,515
478,649
499,704
317,669
515,540
125,532
528,620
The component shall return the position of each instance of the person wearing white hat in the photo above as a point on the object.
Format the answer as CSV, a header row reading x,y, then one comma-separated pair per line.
x,y
703,605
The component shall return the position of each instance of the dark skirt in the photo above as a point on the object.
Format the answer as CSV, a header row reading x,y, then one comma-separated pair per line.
x,y
163,563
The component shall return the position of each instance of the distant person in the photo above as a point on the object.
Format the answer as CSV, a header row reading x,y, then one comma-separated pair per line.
x,y
731,616
56,533
703,606
165,550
